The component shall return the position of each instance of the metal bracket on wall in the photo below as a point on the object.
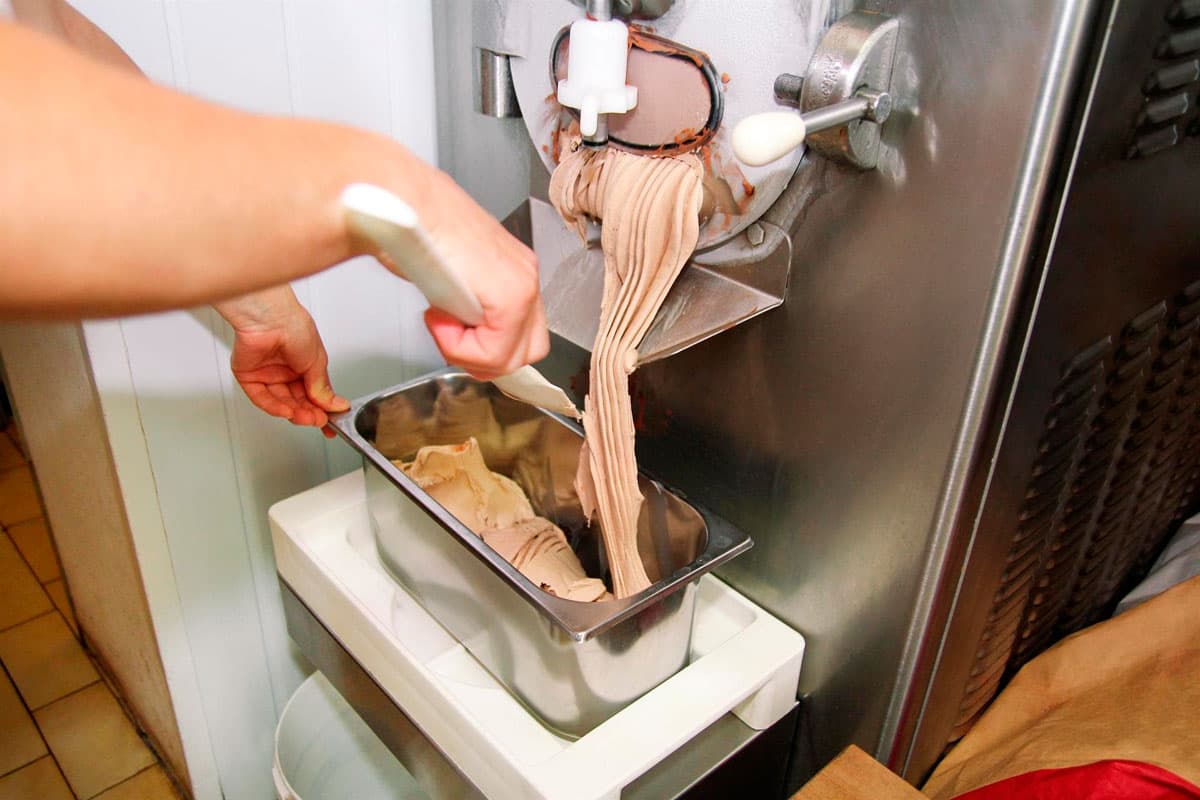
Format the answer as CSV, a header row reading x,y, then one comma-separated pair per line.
x,y
494,91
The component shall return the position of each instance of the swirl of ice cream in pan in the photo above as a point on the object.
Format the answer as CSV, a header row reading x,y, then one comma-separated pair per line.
x,y
495,508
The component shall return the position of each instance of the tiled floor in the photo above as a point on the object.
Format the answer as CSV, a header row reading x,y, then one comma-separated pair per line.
x,y
62,732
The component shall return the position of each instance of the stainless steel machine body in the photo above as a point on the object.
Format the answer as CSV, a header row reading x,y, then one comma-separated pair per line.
x,y
574,664
1021,257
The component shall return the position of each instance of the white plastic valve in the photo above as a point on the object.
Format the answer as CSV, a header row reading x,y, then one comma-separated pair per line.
x,y
763,138
596,65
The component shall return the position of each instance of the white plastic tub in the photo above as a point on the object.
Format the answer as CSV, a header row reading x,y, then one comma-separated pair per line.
x,y
742,661
324,751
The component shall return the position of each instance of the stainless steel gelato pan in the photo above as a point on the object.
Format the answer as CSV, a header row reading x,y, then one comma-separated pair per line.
x,y
573,664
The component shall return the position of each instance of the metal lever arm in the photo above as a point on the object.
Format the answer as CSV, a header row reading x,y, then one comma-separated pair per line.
x,y
846,85
763,138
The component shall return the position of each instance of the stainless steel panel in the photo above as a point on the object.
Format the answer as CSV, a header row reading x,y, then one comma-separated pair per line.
x,y
496,95
716,291
841,427
1124,240
574,664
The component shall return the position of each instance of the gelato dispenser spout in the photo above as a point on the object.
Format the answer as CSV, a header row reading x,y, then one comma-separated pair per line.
x,y
596,67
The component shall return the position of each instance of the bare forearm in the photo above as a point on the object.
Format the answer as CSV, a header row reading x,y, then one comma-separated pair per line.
x,y
262,309
59,20
119,196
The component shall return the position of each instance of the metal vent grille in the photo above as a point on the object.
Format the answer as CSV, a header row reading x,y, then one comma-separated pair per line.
x,y
1118,467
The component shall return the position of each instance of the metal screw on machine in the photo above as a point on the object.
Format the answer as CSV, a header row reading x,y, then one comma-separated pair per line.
x,y
788,88
844,96
599,9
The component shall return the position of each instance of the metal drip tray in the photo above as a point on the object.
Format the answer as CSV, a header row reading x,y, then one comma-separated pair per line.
x,y
717,290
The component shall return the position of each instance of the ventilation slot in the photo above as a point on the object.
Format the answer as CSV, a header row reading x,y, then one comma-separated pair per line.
x,y
1117,469
1060,451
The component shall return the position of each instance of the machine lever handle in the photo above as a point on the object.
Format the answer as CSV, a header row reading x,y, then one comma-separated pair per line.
x,y
763,138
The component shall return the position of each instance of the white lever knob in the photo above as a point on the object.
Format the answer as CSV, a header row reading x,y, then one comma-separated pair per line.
x,y
762,138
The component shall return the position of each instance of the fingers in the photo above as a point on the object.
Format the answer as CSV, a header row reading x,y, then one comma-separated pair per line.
x,y
280,362
287,401
539,335
303,412
317,388
495,348
503,274
261,396
306,413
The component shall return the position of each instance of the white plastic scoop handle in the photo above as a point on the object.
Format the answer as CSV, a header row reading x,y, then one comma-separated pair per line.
x,y
390,224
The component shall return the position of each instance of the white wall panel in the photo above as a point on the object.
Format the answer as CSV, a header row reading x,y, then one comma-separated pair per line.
x,y
273,460
468,142
105,346
211,463
174,364
409,28
339,61
140,27
234,52
368,76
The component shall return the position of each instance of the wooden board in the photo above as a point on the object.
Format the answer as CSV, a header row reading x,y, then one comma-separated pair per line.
x,y
854,775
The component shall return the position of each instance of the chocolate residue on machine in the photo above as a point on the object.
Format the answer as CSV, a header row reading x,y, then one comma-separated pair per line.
x,y
680,107
497,510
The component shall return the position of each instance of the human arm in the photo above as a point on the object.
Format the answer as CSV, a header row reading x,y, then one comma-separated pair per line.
x,y
278,358
128,197
59,19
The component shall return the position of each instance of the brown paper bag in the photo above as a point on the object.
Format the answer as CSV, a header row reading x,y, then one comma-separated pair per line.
x,y
1126,688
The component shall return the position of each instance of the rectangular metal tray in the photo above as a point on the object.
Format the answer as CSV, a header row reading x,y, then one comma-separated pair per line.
x,y
573,664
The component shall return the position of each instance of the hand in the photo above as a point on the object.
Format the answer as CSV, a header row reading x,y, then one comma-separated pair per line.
x,y
503,274
279,359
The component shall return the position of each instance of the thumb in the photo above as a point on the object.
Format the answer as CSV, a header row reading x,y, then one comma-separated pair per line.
x,y
320,392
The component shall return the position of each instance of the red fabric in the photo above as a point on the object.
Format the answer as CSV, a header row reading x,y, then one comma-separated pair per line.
x,y
1103,780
